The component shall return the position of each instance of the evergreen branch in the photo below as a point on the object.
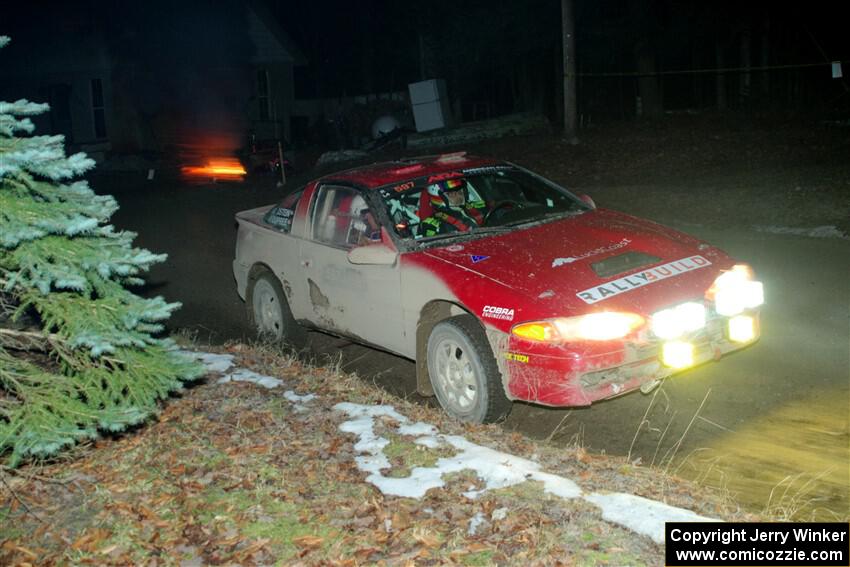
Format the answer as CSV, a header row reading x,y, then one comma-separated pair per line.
x,y
26,340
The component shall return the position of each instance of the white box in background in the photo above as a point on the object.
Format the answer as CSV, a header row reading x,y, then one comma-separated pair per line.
x,y
430,104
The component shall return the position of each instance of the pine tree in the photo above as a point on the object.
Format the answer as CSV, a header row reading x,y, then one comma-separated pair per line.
x,y
101,367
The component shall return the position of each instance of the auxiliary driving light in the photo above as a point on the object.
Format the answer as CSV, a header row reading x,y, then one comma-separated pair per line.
x,y
742,329
735,290
676,321
677,354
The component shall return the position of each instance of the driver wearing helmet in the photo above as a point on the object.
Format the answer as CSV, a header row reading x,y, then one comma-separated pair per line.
x,y
453,212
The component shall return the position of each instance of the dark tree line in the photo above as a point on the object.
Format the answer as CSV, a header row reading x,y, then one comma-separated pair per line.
x,y
633,58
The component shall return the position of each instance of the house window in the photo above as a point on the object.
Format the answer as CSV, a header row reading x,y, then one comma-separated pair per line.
x,y
263,93
98,111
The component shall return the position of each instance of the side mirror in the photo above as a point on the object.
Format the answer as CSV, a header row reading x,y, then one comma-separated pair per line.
x,y
587,200
373,254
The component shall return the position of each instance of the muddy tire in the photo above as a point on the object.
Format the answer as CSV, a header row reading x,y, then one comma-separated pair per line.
x,y
463,372
269,312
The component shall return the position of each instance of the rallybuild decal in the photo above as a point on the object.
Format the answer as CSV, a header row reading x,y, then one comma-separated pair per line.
x,y
493,312
561,261
642,278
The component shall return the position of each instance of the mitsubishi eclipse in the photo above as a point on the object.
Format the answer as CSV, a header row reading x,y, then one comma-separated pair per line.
x,y
500,284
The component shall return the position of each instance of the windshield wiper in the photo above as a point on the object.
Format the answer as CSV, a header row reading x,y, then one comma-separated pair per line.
x,y
438,237
486,229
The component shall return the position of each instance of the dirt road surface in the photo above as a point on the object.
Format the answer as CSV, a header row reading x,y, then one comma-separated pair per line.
x,y
769,424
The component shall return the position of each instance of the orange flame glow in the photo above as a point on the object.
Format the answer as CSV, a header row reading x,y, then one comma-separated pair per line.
x,y
217,168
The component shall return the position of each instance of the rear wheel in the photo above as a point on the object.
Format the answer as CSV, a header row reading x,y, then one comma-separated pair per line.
x,y
463,372
270,312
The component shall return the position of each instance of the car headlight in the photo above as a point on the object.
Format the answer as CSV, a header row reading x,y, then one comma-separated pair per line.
x,y
676,321
736,290
603,326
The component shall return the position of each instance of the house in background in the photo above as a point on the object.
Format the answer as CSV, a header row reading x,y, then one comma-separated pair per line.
x,y
117,87
75,80
273,61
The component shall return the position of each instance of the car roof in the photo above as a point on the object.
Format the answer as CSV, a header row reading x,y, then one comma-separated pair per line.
x,y
384,173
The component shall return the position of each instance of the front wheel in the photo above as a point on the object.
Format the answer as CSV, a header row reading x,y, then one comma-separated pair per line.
x,y
463,372
270,312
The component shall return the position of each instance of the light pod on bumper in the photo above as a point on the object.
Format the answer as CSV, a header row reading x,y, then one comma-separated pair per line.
x,y
677,354
735,290
742,328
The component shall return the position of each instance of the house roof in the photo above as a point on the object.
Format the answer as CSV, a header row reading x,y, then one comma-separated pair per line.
x,y
276,31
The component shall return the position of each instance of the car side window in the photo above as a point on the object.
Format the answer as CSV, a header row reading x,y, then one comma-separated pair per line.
x,y
342,218
280,216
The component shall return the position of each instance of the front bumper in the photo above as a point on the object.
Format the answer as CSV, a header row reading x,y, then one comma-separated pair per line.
x,y
559,376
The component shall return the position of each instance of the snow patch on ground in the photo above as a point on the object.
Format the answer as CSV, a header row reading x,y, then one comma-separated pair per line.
x,y
298,398
341,156
212,362
476,521
494,468
243,375
826,231
640,514
221,363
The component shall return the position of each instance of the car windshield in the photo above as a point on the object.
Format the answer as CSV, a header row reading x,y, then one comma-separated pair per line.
x,y
483,200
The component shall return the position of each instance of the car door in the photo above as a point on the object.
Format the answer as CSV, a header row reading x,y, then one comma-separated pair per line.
x,y
362,301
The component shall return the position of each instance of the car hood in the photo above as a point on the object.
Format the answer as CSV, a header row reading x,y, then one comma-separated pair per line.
x,y
552,263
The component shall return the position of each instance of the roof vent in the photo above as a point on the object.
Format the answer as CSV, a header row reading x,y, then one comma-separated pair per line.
x,y
622,263
452,157
407,170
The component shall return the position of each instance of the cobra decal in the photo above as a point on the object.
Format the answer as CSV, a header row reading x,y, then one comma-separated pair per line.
x,y
642,278
493,312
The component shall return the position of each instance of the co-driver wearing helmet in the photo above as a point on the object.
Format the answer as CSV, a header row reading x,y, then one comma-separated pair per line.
x,y
452,211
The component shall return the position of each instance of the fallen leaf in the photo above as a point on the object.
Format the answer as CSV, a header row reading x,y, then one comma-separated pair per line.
x,y
401,520
255,547
148,513
425,538
308,541
25,551
91,541
365,552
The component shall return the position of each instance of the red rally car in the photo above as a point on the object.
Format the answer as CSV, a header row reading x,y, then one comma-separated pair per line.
x,y
499,283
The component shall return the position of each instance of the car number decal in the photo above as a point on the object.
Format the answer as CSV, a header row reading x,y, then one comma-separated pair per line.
x,y
642,278
403,186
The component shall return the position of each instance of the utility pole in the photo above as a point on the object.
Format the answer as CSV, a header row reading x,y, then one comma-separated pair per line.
x,y
569,45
